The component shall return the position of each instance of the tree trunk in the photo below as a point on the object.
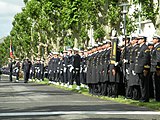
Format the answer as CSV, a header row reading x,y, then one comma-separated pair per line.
x,y
157,26
76,42
38,46
58,43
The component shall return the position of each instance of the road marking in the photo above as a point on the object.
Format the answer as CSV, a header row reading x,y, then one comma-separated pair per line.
x,y
25,101
80,112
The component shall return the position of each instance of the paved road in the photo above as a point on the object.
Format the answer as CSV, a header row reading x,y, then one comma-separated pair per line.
x,y
34,101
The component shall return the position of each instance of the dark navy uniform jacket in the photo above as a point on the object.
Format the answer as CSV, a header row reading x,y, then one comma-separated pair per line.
x,y
142,58
155,58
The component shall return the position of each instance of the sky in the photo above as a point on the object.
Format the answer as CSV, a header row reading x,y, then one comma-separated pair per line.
x,y
8,9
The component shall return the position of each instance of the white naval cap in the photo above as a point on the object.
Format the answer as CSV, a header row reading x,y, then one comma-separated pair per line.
x,y
75,49
55,53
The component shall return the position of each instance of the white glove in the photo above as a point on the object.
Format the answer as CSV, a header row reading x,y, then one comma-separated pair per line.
x,y
127,71
64,69
80,69
69,65
85,70
133,72
125,61
116,63
17,70
71,68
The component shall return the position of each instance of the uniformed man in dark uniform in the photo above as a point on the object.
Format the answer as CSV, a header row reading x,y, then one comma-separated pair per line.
x,y
38,69
26,68
133,86
114,78
70,67
151,88
50,59
99,69
125,57
61,67
65,67
84,69
42,70
155,66
17,69
81,53
76,59
89,69
142,68
56,67
10,66
105,66
94,77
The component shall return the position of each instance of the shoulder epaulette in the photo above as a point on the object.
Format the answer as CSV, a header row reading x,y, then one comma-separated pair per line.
x,y
146,66
147,50
158,49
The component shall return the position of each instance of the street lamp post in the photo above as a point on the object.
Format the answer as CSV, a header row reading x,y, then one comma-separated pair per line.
x,y
124,12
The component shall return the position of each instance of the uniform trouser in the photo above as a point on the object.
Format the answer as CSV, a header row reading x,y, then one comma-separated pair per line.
x,y
53,76
17,75
84,77
136,92
26,76
30,75
76,76
42,76
61,77
125,74
104,86
156,81
113,89
57,76
90,88
38,75
50,77
144,85
65,77
10,76
129,92
99,88
151,88
95,89
70,77
81,77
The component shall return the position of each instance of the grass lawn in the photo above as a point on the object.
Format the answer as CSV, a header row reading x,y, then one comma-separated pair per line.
x,y
152,104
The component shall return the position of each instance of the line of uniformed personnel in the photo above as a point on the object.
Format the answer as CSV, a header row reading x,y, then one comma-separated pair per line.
x,y
132,70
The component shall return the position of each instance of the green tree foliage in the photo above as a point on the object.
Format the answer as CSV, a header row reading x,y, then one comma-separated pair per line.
x,y
149,10
46,25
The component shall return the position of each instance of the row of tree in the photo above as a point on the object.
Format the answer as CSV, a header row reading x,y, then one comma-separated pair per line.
x,y
45,25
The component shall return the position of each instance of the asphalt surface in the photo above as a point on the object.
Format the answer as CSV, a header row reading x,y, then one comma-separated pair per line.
x,y
21,101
